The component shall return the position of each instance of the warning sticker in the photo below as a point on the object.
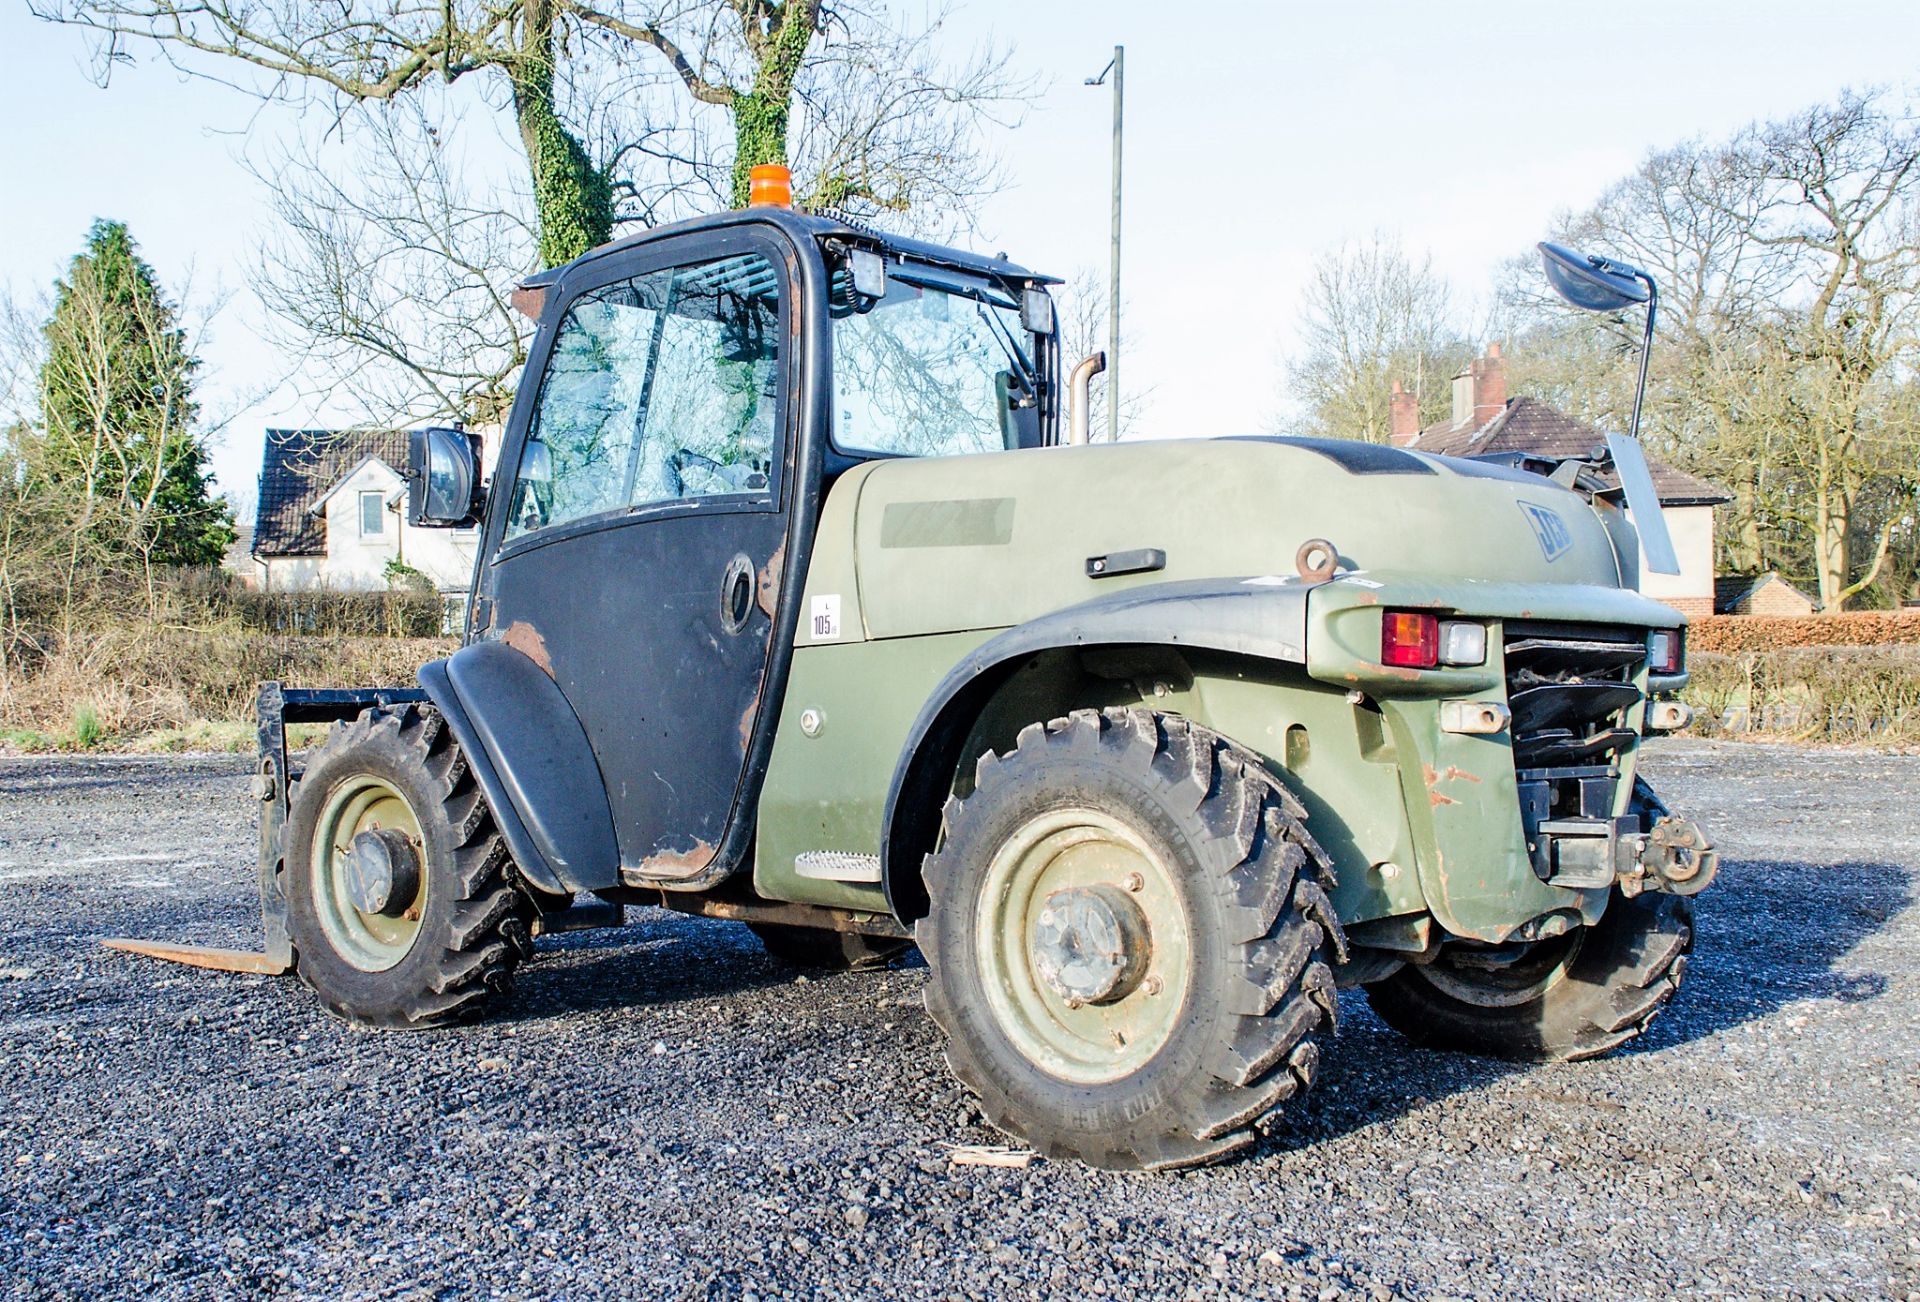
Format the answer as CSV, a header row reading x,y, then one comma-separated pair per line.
x,y
826,618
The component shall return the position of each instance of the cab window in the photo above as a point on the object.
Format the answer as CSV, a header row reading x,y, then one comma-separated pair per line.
x,y
931,369
661,387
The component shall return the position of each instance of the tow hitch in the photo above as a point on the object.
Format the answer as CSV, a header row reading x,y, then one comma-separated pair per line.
x,y
1675,857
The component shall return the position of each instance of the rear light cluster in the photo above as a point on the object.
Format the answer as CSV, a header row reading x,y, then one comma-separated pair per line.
x,y
1415,639
1666,650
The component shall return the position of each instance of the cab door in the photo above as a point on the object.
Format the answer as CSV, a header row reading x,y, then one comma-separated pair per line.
x,y
636,538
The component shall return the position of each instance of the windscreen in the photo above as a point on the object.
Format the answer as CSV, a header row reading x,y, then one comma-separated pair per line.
x,y
939,366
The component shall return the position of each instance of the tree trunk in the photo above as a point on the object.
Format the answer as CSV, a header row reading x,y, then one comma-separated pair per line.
x,y
760,116
1831,519
572,197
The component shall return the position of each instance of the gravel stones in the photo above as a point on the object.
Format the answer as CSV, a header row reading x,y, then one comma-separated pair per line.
x,y
182,1134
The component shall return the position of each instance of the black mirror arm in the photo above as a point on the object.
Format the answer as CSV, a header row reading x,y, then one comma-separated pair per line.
x,y
1646,345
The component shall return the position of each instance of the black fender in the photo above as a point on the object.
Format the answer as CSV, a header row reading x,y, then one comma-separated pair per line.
x,y
533,763
1264,618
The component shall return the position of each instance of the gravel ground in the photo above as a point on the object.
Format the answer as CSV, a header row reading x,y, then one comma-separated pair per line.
x,y
665,1112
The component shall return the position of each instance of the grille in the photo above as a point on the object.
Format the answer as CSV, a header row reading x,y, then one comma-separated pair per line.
x,y
1567,685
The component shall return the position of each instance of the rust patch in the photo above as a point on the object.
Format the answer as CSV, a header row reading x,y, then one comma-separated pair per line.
x,y
768,592
1432,778
527,300
746,722
525,638
678,863
1461,774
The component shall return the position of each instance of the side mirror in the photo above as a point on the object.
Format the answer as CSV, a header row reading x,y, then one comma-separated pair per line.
x,y
1592,282
443,478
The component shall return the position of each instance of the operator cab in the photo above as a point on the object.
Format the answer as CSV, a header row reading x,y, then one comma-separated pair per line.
x,y
691,395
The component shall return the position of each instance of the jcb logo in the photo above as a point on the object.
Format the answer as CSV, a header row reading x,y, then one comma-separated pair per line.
x,y
1549,530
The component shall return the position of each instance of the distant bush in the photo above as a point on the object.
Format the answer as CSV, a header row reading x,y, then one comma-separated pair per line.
x,y
1731,633
206,597
114,664
1832,694
132,679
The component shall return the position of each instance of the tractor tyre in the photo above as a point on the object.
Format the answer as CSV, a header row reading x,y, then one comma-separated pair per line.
x,y
828,950
1573,996
400,898
1129,939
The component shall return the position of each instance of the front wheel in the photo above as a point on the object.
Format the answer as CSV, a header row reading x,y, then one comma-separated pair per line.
x,y
1128,936
1578,995
399,902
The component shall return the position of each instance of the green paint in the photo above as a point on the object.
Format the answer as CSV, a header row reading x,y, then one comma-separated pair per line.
x,y
1418,821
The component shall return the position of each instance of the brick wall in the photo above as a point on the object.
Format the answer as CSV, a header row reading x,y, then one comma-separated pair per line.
x,y
1691,607
1777,599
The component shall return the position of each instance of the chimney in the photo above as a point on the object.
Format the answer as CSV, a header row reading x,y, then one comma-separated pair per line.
x,y
1404,423
1480,391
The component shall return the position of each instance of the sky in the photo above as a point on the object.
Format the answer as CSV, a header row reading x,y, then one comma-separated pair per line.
x,y
1258,136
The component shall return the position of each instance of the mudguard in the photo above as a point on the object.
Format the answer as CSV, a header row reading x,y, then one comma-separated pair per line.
x,y
533,763
1264,617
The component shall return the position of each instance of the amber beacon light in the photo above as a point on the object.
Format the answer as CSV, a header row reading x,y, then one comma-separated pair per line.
x,y
770,185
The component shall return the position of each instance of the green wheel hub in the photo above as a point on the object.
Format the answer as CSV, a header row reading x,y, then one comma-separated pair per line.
x,y
1084,943
368,886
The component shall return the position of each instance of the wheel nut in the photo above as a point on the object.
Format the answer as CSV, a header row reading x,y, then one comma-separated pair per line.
x,y
1153,985
1135,882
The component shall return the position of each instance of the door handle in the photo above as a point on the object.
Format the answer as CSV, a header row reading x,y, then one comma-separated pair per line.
x,y
736,594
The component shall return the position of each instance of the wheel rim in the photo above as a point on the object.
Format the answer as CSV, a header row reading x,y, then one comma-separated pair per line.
x,y
371,939
1491,979
1050,892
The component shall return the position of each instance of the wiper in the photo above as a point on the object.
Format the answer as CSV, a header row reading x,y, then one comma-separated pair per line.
x,y
1023,367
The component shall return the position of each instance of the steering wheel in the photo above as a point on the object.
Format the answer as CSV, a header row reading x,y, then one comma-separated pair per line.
x,y
680,461
741,478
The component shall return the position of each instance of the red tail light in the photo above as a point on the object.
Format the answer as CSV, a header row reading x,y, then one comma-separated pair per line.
x,y
1409,639
1666,650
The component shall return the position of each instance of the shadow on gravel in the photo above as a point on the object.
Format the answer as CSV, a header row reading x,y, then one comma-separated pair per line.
x,y
650,961
1767,933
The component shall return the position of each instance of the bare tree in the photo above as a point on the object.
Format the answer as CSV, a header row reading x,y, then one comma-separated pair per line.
x,y
393,265
886,123
1789,260
1371,316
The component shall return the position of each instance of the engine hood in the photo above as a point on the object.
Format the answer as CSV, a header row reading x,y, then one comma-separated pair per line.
x,y
983,542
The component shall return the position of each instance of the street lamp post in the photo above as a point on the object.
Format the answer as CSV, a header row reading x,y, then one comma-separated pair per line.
x,y
1118,67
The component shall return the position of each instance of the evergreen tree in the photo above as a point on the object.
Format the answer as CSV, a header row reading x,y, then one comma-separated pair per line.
x,y
116,403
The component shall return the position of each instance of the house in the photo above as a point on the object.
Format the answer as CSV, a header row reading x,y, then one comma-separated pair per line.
x,y
1486,420
1759,594
333,514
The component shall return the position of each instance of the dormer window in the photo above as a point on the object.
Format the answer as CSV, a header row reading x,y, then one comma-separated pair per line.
x,y
373,514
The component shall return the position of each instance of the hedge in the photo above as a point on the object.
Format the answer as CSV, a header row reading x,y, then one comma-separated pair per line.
x,y
1729,634
1819,693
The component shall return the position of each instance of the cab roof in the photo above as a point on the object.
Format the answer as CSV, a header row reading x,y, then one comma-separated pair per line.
x,y
799,227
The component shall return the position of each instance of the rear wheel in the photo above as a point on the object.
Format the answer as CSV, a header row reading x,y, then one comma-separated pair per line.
x,y
1129,937
833,951
398,896
1573,996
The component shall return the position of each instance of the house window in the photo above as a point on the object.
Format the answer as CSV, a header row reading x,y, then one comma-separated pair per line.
x,y
373,514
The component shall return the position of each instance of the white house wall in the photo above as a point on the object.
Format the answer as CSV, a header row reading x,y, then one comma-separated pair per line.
x,y
1692,530
354,562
